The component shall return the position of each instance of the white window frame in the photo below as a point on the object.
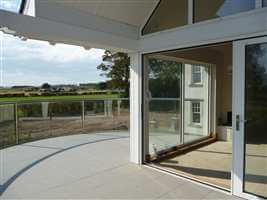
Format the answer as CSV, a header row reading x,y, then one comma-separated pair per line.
x,y
238,160
192,113
193,83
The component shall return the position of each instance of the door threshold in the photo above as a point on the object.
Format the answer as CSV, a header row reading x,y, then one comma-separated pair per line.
x,y
190,179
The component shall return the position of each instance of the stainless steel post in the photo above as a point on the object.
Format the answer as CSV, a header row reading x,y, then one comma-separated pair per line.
x,y
83,114
16,122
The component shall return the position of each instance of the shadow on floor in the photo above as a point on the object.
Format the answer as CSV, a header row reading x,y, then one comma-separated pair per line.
x,y
212,173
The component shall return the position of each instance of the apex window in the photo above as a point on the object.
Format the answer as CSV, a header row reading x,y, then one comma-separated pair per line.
x,y
168,14
211,9
11,5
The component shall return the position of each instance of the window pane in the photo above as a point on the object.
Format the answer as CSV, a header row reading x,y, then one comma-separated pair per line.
x,y
196,118
196,77
196,74
163,88
256,114
196,112
169,14
264,3
10,5
207,9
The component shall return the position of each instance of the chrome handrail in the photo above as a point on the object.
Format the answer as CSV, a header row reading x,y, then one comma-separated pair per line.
x,y
59,100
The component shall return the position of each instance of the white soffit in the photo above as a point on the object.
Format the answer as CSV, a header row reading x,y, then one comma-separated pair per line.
x,y
133,12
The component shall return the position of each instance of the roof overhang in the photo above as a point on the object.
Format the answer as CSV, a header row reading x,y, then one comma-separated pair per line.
x,y
108,24
131,12
57,32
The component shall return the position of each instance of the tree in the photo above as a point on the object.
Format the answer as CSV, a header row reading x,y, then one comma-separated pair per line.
x,y
164,78
46,86
116,67
102,86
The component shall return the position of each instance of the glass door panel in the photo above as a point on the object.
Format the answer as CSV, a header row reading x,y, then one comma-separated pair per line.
x,y
255,174
250,119
164,94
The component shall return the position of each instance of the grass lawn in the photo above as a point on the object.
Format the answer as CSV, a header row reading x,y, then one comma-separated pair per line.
x,y
77,97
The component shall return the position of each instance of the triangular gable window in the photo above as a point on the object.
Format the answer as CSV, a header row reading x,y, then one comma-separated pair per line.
x,y
207,9
168,14
12,5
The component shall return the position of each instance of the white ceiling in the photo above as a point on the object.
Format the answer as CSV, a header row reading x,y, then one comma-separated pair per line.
x,y
133,12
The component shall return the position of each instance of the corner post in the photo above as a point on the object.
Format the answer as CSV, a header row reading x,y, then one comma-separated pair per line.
x,y
136,108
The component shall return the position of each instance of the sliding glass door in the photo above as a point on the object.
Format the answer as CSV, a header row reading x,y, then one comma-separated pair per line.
x,y
164,104
176,99
250,119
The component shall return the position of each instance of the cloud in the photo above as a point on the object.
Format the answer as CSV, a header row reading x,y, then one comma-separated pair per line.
x,y
60,53
35,62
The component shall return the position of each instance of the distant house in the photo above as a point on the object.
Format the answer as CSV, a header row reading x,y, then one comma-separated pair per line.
x,y
88,86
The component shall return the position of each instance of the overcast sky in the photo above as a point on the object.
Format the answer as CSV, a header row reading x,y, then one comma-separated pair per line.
x,y
36,62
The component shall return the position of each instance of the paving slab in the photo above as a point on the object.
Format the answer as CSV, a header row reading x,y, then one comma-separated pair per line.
x,y
98,170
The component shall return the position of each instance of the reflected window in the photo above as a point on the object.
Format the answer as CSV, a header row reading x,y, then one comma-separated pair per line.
x,y
11,5
207,9
264,3
168,14
196,74
196,112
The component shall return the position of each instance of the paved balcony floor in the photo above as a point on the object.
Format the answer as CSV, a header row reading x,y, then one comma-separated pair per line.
x,y
93,166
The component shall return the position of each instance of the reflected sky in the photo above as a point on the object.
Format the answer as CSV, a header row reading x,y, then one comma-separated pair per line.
x,y
10,5
230,7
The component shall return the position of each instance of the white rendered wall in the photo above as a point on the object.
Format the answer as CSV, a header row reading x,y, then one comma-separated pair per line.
x,y
136,108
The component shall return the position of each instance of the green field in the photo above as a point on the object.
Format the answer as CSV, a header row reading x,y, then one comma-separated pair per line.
x,y
70,97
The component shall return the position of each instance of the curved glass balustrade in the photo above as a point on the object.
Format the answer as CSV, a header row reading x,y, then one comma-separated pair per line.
x,y
22,122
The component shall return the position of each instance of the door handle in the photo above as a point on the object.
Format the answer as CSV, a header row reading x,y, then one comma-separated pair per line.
x,y
238,120
237,125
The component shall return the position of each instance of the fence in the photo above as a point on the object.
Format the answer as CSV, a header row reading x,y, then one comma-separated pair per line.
x,y
22,122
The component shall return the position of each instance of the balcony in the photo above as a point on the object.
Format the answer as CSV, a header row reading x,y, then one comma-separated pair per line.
x,y
79,149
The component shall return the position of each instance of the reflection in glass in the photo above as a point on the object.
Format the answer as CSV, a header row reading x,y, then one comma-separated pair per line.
x,y
169,14
164,104
10,5
220,8
264,3
196,96
255,179
169,82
